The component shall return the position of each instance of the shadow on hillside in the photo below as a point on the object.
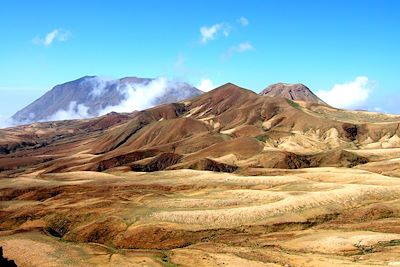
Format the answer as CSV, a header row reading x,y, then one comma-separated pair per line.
x,y
4,262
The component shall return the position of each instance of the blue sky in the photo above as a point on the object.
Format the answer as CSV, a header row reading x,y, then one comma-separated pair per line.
x,y
353,46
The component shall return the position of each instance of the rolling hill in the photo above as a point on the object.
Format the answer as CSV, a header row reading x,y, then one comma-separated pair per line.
x,y
226,178
229,125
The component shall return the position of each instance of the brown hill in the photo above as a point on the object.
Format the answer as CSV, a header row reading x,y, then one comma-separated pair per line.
x,y
296,92
229,125
93,192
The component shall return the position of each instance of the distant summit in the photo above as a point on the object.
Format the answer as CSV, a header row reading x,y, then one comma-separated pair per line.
x,y
91,96
296,92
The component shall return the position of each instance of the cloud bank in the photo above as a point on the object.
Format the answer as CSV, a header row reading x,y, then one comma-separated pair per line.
x,y
352,94
136,96
206,85
55,35
139,96
74,111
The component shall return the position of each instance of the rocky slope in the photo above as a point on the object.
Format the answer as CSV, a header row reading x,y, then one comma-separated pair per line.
x,y
227,178
229,125
297,92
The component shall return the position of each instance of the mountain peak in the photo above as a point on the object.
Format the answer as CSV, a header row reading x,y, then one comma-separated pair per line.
x,y
295,91
91,96
231,87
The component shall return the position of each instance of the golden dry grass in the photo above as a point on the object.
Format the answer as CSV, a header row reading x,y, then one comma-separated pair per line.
x,y
306,217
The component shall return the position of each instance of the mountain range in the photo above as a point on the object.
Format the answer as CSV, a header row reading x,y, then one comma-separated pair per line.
x,y
230,125
225,178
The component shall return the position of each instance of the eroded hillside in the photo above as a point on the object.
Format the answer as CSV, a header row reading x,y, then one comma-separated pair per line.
x,y
226,178
229,125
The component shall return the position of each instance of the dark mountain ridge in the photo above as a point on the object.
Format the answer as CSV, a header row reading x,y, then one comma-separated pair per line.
x,y
89,96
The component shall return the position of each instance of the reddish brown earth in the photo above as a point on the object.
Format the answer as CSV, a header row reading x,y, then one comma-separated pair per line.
x,y
226,178
229,124
296,92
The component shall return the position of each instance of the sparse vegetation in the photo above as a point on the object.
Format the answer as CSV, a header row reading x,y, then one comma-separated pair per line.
x,y
301,197
58,225
294,104
183,212
165,260
262,138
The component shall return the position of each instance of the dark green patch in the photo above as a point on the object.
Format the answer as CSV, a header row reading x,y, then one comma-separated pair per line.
x,y
262,138
293,104
165,260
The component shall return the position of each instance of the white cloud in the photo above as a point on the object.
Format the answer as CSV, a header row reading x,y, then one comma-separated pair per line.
x,y
141,96
210,33
5,122
56,34
240,48
99,85
243,21
74,111
136,96
206,85
347,95
243,47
